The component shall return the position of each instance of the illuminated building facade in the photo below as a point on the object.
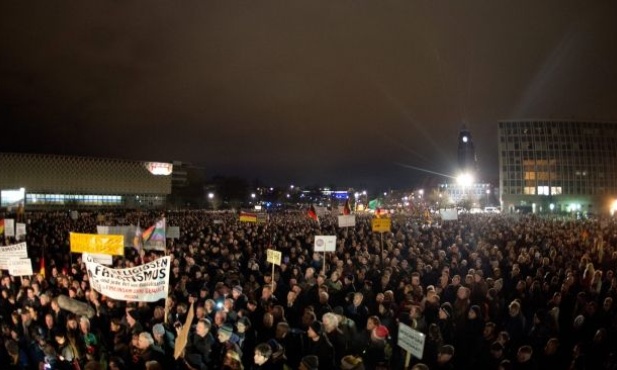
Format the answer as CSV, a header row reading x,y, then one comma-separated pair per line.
x,y
467,189
55,181
557,166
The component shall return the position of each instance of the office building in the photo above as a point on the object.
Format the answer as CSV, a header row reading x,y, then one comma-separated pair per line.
x,y
557,166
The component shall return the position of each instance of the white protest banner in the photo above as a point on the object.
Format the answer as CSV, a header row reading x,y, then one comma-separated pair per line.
x,y
103,259
145,283
173,232
20,230
20,267
9,227
19,250
325,243
347,221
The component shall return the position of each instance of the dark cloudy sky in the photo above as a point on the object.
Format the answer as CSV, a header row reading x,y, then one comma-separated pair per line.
x,y
330,92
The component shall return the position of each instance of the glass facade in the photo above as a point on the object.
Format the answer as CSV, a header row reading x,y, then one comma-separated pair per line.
x,y
558,162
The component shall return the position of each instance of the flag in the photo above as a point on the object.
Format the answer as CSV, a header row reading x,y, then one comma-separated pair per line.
x,y
42,266
248,217
312,213
346,208
374,204
2,226
380,212
137,240
154,236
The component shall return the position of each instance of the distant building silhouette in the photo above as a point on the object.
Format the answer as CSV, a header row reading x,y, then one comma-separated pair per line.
x,y
467,162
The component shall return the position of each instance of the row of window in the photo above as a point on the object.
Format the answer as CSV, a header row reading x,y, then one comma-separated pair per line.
x,y
42,199
545,190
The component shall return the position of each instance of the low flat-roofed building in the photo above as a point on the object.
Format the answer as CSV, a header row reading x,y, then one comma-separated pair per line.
x,y
70,181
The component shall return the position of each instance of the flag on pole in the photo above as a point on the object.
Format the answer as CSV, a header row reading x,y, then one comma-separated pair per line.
x,y
312,213
2,226
137,240
42,266
154,236
346,208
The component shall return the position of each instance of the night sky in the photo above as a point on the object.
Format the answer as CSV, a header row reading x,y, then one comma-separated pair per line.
x,y
348,93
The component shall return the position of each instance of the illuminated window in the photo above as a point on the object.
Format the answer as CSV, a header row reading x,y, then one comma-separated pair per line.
x,y
530,190
556,190
543,190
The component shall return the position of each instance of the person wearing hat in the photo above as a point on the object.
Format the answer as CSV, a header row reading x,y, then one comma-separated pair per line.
x,y
446,322
240,299
309,362
228,347
376,351
163,339
444,358
319,345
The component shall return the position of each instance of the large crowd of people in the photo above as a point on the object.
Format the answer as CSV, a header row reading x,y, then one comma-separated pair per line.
x,y
487,291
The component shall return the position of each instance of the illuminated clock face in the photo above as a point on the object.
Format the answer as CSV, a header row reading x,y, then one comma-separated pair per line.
x,y
465,139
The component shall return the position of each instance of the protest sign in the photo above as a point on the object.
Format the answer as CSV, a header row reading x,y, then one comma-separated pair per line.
x,y
20,230
103,259
9,227
325,243
346,221
273,256
381,225
173,232
145,283
20,267
19,250
101,244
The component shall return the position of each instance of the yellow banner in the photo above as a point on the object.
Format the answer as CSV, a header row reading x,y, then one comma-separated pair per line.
x,y
95,243
381,225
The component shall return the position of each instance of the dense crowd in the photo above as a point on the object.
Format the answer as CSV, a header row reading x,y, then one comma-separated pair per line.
x,y
488,292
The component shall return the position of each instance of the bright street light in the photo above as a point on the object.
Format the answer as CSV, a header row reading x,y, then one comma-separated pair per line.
x,y
465,179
